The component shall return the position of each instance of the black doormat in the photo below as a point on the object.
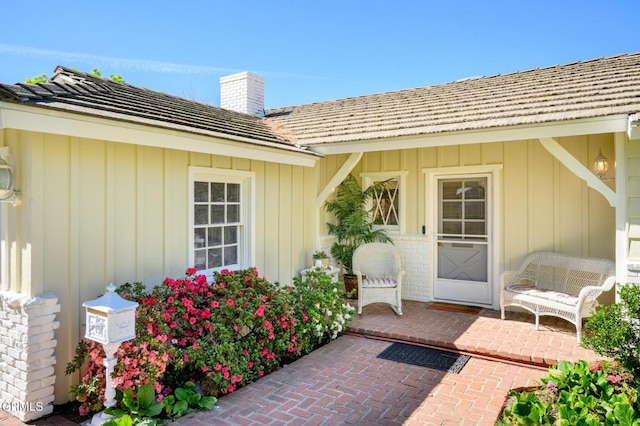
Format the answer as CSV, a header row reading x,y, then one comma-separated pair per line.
x,y
425,357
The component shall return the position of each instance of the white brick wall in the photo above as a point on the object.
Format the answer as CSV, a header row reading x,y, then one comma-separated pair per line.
x,y
27,346
243,92
414,251
415,254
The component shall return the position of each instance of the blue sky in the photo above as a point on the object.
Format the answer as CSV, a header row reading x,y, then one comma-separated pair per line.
x,y
308,51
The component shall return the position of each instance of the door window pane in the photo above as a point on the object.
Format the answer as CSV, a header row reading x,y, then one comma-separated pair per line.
x,y
474,210
464,201
451,210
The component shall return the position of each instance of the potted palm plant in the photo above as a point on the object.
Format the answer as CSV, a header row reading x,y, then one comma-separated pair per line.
x,y
354,225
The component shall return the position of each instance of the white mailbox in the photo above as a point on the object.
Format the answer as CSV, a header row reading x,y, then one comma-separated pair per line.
x,y
110,318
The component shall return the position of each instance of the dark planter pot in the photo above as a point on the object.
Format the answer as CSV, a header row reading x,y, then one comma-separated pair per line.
x,y
351,283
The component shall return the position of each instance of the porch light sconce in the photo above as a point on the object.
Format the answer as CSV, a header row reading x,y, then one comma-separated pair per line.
x,y
7,179
600,165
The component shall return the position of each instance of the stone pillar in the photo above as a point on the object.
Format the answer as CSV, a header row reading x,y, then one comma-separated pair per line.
x,y
27,354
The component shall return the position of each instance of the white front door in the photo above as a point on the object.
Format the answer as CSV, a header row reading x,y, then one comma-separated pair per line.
x,y
463,243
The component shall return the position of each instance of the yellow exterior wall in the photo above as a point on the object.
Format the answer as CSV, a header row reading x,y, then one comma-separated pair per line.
x,y
95,212
633,191
545,206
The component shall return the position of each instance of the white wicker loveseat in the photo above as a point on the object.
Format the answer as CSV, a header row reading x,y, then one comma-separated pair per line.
x,y
557,285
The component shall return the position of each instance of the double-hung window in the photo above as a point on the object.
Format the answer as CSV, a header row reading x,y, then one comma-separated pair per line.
x,y
221,225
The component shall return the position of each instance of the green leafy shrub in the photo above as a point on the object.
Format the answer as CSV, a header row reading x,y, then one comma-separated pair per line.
x,y
614,330
600,393
222,335
186,400
138,409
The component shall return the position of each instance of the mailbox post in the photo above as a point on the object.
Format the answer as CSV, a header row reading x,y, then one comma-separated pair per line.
x,y
110,320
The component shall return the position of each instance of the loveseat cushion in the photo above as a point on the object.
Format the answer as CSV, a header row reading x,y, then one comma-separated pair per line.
x,y
552,295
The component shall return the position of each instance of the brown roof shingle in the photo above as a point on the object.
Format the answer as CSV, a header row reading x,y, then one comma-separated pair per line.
x,y
594,88
73,91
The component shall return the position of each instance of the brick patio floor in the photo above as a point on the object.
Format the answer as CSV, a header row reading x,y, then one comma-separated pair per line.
x,y
343,383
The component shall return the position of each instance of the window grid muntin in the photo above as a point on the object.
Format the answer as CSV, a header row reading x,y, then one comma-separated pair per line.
x,y
456,197
217,242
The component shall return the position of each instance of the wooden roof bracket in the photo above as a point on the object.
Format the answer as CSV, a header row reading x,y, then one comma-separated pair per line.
x,y
577,168
346,168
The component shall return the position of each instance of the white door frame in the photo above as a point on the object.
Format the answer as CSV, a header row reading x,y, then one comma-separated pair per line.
x,y
495,216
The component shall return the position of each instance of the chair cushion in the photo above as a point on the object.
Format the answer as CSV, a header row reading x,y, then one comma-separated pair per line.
x,y
378,282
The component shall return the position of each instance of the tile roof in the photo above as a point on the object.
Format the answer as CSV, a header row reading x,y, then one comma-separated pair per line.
x,y
73,91
594,88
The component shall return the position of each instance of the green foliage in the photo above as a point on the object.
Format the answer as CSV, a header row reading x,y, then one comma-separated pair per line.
x,y
42,78
325,313
614,330
354,227
140,409
583,393
187,400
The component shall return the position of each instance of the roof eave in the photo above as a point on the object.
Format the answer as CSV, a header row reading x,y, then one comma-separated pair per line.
x,y
609,124
45,120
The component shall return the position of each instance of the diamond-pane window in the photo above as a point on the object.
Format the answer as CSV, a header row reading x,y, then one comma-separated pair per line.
x,y
386,204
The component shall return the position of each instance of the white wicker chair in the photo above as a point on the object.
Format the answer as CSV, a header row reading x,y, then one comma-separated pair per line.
x,y
379,270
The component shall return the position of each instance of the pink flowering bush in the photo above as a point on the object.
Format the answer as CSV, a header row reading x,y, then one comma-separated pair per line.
x,y
222,335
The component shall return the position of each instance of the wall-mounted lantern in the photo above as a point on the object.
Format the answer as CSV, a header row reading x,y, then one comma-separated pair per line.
x,y
8,194
110,320
600,165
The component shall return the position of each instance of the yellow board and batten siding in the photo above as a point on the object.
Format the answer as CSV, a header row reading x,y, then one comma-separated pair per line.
x,y
102,212
544,205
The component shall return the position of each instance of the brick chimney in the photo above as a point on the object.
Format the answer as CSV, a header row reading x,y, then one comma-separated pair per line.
x,y
243,92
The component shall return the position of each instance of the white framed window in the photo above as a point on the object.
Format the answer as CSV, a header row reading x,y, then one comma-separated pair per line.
x,y
388,205
220,219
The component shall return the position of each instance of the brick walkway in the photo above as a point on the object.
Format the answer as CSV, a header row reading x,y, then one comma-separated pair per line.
x,y
343,383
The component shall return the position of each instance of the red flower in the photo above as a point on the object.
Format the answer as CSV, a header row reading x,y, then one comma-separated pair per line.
x,y
192,320
614,379
173,324
215,304
191,271
230,302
